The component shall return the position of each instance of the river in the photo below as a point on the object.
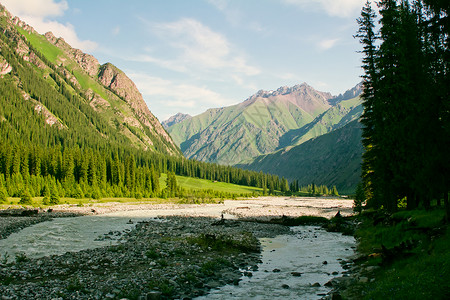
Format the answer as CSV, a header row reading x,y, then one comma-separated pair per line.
x,y
294,266
310,252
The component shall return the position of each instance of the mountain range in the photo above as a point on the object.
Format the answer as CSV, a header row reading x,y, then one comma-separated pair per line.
x,y
54,94
254,133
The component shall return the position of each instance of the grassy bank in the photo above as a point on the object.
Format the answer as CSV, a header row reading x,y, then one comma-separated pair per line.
x,y
191,183
407,253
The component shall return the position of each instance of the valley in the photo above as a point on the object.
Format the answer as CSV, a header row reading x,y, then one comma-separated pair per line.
x,y
291,192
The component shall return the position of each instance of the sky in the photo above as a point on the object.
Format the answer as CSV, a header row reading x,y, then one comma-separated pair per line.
x,y
188,56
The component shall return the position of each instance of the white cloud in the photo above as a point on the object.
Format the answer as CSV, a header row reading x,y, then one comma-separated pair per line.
x,y
337,8
197,47
36,8
37,12
327,44
177,94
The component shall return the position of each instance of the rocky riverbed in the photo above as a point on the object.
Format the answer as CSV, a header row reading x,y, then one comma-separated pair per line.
x,y
171,257
182,254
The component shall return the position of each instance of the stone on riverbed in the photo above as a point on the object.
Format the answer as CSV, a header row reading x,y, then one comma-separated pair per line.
x,y
181,257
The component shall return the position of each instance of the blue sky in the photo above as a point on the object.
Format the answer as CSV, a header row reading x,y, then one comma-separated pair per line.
x,y
191,55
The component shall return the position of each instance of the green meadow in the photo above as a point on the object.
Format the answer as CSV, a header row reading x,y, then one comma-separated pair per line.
x,y
190,183
186,183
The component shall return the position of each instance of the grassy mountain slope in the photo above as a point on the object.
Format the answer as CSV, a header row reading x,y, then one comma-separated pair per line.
x,y
64,88
241,132
70,127
331,159
335,117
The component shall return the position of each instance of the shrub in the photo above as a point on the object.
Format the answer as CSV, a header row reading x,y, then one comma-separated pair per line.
x,y
21,257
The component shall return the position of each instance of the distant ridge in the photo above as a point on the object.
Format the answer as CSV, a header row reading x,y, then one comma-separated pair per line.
x,y
265,122
175,119
238,133
330,159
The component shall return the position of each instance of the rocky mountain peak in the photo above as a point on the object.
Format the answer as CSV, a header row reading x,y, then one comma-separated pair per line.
x,y
86,61
17,21
349,94
303,88
179,117
102,86
301,95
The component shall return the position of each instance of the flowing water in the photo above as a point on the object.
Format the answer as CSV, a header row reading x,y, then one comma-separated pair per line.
x,y
77,233
305,252
63,234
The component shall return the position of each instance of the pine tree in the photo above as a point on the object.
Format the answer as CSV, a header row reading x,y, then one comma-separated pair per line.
x,y
3,192
334,191
405,93
368,39
46,194
54,195
155,181
25,197
68,166
172,187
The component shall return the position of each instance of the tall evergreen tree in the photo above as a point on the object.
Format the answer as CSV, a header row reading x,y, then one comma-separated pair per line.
x,y
404,106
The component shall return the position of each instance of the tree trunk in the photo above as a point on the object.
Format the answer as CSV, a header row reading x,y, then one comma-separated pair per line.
x,y
447,207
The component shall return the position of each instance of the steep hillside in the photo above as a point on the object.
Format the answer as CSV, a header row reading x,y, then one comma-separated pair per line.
x,y
335,117
64,88
241,132
330,159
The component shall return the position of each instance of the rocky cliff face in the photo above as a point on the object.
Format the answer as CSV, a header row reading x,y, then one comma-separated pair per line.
x,y
5,67
106,88
87,62
349,94
117,81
